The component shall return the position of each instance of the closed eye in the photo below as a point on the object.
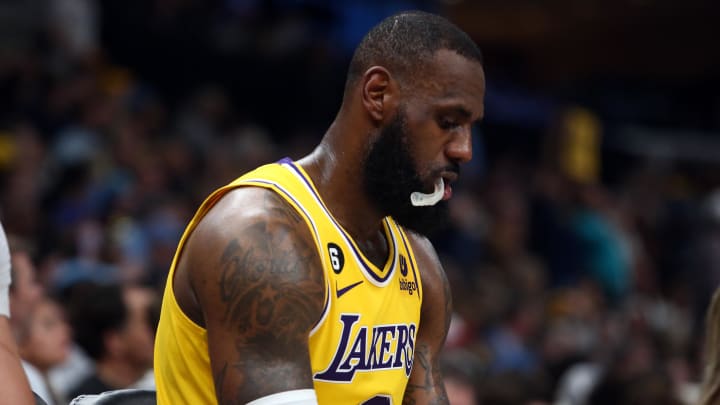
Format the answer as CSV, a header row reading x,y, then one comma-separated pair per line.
x,y
448,123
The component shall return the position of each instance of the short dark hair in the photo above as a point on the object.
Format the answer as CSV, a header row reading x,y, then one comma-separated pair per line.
x,y
404,42
94,311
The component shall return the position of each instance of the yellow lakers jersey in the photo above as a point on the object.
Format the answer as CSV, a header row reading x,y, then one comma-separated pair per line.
x,y
362,347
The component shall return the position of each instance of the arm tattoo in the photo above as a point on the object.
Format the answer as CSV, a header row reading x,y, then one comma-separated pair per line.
x,y
271,289
421,356
426,385
432,384
441,397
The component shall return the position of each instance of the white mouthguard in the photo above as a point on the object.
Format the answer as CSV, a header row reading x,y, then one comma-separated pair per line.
x,y
419,199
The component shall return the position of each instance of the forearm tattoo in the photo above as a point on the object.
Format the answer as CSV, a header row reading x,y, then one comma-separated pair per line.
x,y
431,386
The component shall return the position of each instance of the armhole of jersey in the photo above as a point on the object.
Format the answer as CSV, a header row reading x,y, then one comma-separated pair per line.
x,y
211,200
203,210
325,310
378,276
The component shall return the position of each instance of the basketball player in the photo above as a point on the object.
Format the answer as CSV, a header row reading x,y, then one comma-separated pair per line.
x,y
310,282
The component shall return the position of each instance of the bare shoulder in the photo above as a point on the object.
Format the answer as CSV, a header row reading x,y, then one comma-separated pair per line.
x,y
248,219
424,250
246,207
258,282
435,284
253,241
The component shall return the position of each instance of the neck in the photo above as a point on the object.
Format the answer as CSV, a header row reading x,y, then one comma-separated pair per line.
x,y
335,167
118,374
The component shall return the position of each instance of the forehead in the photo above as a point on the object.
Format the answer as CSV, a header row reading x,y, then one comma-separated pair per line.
x,y
450,78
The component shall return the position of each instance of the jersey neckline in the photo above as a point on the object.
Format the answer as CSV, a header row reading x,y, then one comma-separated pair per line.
x,y
375,274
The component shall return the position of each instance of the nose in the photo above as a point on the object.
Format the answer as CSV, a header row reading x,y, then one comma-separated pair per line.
x,y
459,148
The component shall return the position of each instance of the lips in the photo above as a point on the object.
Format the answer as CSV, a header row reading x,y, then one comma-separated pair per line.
x,y
448,191
448,178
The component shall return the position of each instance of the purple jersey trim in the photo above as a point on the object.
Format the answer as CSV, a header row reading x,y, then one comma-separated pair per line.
x,y
347,237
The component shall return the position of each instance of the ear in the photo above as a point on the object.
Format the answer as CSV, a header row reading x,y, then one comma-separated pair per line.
x,y
379,93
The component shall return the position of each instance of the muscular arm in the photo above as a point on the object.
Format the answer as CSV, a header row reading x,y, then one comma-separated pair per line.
x,y
426,383
257,278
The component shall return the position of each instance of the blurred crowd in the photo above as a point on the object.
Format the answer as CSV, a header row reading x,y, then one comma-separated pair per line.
x,y
581,264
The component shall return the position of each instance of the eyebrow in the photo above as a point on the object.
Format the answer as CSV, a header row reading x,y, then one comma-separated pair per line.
x,y
459,110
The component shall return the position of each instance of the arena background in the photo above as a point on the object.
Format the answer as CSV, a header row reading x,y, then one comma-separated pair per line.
x,y
586,232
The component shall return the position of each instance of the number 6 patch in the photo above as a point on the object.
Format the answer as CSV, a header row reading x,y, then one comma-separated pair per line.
x,y
337,258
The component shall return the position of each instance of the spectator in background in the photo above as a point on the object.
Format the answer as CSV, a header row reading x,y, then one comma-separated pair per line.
x,y
511,388
75,27
462,371
14,387
44,340
25,292
634,375
116,331
41,332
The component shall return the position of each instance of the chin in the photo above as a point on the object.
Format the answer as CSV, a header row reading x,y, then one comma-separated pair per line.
x,y
424,220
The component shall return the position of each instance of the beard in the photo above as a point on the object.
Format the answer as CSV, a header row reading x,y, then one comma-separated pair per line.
x,y
390,176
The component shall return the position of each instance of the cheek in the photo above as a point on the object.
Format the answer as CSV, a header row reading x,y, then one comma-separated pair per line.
x,y
57,338
49,348
141,334
424,159
426,143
